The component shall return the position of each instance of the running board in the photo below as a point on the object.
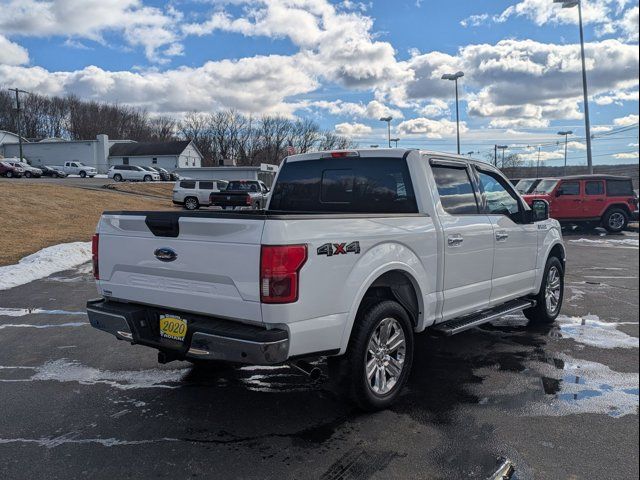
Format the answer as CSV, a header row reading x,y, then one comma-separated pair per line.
x,y
458,325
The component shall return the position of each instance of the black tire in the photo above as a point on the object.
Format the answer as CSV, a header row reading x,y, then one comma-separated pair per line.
x,y
117,177
9,174
541,314
27,174
83,174
353,366
54,175
191,203
615,220
147,178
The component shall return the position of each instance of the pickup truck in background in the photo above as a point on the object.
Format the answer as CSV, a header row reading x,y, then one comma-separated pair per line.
x,y
77,168
592,200
250,194
356,253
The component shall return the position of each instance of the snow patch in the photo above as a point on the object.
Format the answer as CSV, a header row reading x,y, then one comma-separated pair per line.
x,y
590,330
21,312
609,242
54,325
64,370
43,263
69,438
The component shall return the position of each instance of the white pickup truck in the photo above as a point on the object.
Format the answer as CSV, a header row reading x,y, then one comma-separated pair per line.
x,y
356,252
77,168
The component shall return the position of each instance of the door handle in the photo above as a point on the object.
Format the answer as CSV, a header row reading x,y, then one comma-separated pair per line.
x,y
455,240
501,236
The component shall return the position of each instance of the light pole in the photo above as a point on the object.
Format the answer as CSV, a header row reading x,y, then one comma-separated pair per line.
x,y
566,140
503,148
538,165
388,120
455,77
18,119
587,122
396,140
470,153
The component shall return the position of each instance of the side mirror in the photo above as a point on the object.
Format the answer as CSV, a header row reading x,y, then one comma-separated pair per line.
x,y
539,210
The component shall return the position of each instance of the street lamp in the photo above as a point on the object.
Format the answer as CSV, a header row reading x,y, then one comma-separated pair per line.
x,y
395,140
587,123
503,148
470,153
566,140
455,77
388,120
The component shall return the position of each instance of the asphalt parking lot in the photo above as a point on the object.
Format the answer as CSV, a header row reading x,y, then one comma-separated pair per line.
x,y
558,401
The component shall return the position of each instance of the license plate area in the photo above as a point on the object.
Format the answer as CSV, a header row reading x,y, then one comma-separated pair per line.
x,y
172,327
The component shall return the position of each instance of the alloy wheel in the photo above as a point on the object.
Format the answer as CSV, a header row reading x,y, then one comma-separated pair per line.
x,y
385,356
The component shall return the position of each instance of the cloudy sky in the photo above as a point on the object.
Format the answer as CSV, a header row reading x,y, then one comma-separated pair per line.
x,y
346,64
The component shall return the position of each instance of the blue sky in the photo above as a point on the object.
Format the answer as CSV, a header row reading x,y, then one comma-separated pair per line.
x,y
345,64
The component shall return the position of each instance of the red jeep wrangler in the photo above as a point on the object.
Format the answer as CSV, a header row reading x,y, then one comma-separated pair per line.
x,y
589,199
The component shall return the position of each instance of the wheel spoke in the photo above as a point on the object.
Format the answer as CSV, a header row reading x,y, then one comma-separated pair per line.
x,y
372,367
394,368
396,341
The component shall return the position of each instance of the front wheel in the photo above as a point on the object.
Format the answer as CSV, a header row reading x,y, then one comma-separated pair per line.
x,y
379,356
549,298
27,174
147,178
9,174
83,174
117,177
615,220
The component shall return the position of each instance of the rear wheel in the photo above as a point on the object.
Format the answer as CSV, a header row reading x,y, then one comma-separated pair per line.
x,y
378,360
9,174
549,298
117,177
27,174
191,203
615,220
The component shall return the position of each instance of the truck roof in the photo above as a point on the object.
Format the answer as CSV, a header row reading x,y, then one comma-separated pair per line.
x,y
384,152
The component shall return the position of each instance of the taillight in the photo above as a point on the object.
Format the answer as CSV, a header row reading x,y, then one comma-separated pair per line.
x,y
248,199
279,272
633,201
94,255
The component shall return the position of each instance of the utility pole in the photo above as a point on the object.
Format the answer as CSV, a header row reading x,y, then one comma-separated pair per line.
x,y
503,148
566,134
538,166
18,119
495,155
396,140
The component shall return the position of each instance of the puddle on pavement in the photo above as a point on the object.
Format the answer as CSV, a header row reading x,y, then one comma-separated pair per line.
x,y
590,330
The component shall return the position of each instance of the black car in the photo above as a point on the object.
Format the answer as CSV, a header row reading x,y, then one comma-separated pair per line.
x,y
165,176
52,172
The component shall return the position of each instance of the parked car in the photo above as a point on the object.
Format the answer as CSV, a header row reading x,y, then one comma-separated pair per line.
x,y
133,173
356,253
77,168
10,171
241,194
165,176
605,200
29,171
527,185
152,170
53,172
193,194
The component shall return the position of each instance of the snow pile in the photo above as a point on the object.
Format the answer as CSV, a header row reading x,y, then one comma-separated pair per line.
x,y
609,242
45,262
590,330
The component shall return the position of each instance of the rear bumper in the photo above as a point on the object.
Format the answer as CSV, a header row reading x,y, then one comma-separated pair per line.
x,y
634,215
207,338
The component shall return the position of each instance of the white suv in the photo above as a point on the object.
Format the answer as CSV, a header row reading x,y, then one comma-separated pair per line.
x,y
120,173
193,194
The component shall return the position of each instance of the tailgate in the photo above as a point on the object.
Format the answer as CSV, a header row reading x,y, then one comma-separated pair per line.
x,y
235,199
215,270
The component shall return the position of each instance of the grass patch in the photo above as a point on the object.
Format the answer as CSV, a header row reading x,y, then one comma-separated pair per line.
x,y
37,216
160,189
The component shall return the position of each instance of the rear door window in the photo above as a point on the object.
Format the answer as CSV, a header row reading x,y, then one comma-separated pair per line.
x,y
594,188
569,188
352,184
619,188
206,186
455,189
187,184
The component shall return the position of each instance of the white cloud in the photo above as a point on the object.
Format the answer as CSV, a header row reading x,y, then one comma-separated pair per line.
x,y
430,128
475,20
142,26
600,128
435,108
626,121
12,53
625,155
629,24
352,129
531,155
373,110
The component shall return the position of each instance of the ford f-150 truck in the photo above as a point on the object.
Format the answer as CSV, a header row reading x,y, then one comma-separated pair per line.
x,y
356,252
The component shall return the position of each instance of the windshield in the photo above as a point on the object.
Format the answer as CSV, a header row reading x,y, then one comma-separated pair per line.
x,y
546,186
243,185
524,185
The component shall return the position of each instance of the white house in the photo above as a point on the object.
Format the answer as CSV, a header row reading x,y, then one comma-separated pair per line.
x,y
169,155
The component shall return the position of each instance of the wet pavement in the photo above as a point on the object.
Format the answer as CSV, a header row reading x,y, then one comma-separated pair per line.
x,y
559,401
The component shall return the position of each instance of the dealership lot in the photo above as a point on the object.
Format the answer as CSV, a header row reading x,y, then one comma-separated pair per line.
x,y
558,401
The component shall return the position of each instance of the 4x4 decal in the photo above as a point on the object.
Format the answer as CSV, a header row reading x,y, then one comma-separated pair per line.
x,y
330,249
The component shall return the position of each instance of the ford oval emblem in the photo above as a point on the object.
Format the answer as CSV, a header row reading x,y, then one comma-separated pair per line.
x,y
165,254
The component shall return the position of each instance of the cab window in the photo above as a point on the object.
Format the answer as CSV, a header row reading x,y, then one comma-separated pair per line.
x,y
455,190
500,199
206,186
